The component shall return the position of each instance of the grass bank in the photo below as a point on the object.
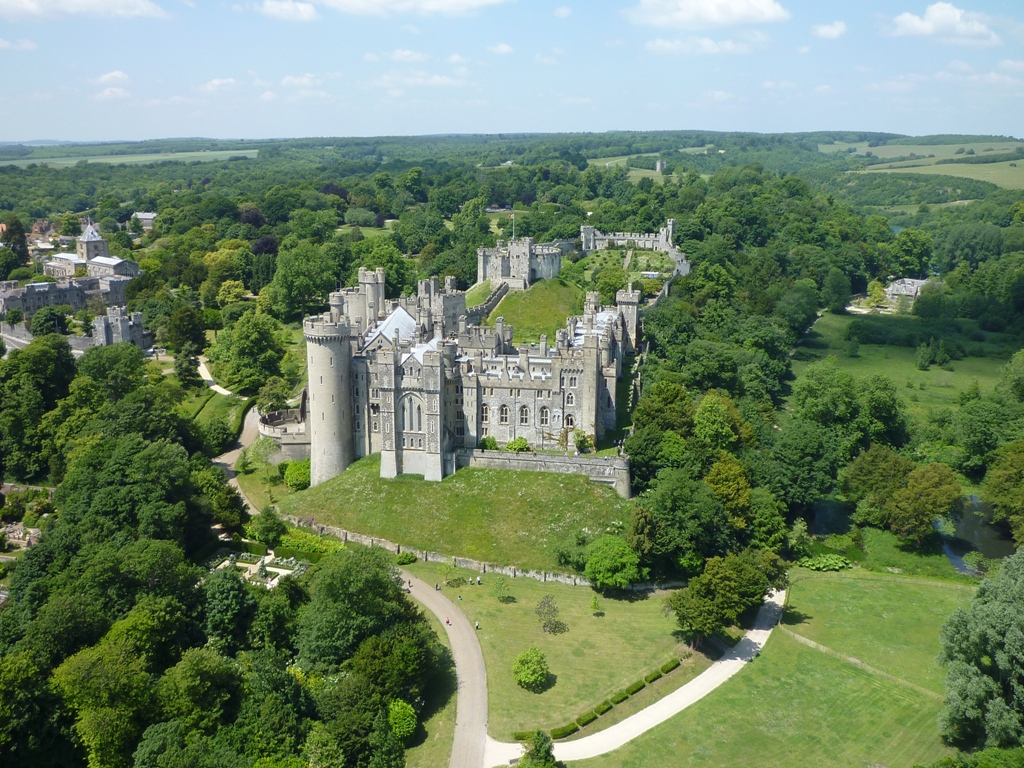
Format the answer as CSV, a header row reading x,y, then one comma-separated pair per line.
x,y
541,309
498,516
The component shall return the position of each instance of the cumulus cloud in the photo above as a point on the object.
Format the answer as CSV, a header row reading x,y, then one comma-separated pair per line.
x,y
549,58
113,94
22,9
1012,65
948,24
218,84
456,59
268,96
385,7
289,10
16,45
117,76
695,45
563,12
502,49
780,85
404,56
300,81
696,14
832,31
397,83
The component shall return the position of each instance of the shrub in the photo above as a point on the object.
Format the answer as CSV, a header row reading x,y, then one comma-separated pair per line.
x,y
519,445
619,697
586,718
565,730
457,581
307,541
298,554
632,689
402,718
488,443
547,612
655,675
296,476
603,707
252,547
530,670
668,666
268,528
405,558
612,563
824,563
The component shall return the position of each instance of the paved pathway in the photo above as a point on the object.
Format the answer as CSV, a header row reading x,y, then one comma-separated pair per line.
x,y
471,707
473,748
226,461
208,378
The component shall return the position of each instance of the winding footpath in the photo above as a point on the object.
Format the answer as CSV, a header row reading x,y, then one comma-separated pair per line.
x,y
473,748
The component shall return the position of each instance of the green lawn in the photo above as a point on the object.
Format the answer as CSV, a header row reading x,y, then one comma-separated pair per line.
x,y
541,309
493,515
597,657
922,390
220,406
890,623
793,706
1009,174
478,293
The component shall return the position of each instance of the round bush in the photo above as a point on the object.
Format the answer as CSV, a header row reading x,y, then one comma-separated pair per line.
x,y
402,718
530,670
296,476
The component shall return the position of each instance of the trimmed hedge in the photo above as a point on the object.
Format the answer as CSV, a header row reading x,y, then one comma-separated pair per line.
x,y
565,730
655,675
586,718
668,666
603,707
619,697
298,554
208,551
405,558
252,547
639,685
522,735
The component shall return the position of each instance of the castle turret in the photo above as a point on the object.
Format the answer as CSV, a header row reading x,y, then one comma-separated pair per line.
x,y
329,419
628,304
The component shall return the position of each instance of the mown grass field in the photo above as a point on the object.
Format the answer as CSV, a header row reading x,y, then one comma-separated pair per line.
x,y
891,623
598,656
220,406
1009,174
492,515
798,706
179,157
940,151
542,309
922,390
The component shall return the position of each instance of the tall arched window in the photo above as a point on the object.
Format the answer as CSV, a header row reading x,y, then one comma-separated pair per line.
x,y
419,418
524,416
485,413
503,415
572,381
545,417
570,422
570,399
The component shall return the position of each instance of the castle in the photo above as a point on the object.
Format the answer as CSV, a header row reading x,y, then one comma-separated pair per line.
x,y
520,263
594,240
413,380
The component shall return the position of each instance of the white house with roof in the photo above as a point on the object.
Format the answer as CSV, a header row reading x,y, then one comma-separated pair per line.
x,y
905,286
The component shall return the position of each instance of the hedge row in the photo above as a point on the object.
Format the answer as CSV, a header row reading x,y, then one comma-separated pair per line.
x,y
633,688
522,735
655,675
586,718
603,707
668,666
619,697
298,554
252,547
565,730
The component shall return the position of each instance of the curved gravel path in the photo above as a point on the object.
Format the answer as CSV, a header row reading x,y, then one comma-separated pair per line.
x,y
473,748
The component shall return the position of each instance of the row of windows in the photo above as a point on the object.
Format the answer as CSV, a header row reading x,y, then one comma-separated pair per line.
x,y
570,422
491,392
504,414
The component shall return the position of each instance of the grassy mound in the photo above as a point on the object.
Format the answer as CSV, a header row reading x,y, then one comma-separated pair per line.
x,y
492,515
478,294
541,309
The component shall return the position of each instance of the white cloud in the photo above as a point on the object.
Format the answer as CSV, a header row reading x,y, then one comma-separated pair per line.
x,y
824,89
901,84
1012,65
289,10
371,57
112,94
406,56
218,84
720,95
411,29
577,101
396,83
268,96
421,7
502,49
804,49
960,66
948,24
117,76
696,45
563,12
696,14
781,85
20,9
549,59
300,81
456,59
18,45
832,31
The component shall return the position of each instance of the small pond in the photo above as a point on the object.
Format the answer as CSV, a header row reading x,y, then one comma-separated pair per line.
x,y
975,531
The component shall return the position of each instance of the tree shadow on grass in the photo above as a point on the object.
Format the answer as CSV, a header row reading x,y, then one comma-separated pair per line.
x,y
791,617
627,595
440,689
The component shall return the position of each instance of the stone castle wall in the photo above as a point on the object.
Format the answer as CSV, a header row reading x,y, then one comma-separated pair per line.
x,y
475,315
612,471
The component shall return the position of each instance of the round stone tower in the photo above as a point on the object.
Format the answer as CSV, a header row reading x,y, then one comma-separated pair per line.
x,y
329,415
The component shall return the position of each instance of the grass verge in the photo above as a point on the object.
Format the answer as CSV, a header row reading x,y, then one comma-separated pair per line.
x,y
542,309
431,745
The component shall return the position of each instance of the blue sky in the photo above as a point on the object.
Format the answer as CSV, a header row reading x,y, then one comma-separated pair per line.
x,y
136,69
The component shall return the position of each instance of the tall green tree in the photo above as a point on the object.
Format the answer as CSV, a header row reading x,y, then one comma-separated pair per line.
x,y
13,246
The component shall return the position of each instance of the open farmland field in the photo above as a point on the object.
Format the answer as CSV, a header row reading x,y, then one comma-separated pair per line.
x,y
1009,175
178,157
940,151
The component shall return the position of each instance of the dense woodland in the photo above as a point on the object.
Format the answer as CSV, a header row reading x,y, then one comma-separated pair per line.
x,y
116,649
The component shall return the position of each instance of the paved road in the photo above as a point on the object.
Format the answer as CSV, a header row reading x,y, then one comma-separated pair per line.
x,y
499,753
471,709
226,461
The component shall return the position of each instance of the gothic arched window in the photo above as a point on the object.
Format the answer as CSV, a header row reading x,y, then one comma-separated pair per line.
x,y
524,416
503,415
545,417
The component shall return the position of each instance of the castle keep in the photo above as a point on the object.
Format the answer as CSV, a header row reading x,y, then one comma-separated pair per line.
x,y
413,380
